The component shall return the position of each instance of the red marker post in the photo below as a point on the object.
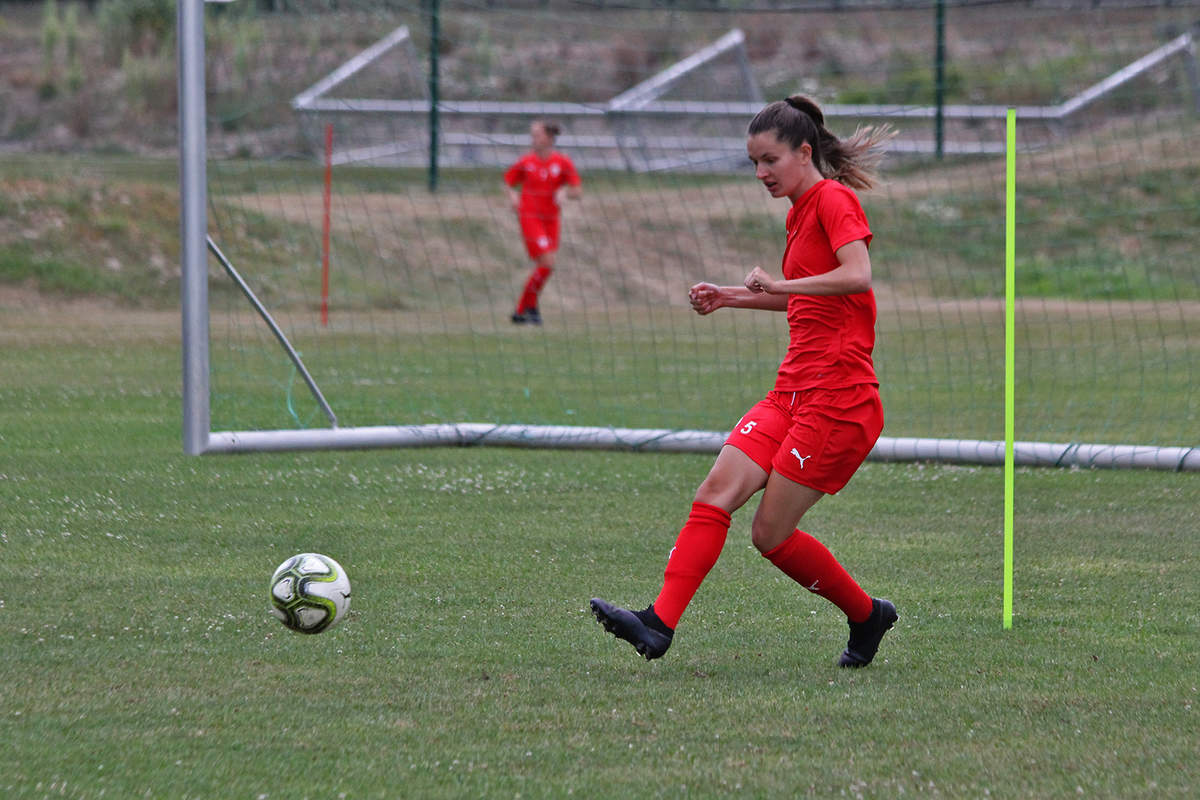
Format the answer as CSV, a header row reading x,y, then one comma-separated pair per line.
x,y
325,225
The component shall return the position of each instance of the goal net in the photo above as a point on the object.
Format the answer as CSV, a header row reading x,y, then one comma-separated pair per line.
x,y
359,262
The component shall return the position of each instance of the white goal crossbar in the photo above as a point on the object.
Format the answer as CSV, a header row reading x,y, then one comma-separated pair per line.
x,y
663,440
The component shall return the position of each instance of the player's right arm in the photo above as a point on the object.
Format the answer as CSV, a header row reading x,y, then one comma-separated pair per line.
x,y
708,297
512,180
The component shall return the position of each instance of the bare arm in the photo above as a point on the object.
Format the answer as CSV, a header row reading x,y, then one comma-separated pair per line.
x,y
568,192
514,197
708,297
851,276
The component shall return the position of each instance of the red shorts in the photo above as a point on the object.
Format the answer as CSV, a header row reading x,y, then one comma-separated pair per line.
x,y
817,437
540,232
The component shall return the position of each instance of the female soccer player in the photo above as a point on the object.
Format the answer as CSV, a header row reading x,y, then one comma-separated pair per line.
x,y
810,434
541,173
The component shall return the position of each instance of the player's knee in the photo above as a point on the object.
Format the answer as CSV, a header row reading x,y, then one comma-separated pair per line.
x,y
722,493
715,490
766,534
760,536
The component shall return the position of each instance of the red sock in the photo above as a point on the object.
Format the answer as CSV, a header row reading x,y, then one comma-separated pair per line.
x,y
533,287
696,550
810,564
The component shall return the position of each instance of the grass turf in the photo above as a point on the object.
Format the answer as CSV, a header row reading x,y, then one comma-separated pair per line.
x,y
139,657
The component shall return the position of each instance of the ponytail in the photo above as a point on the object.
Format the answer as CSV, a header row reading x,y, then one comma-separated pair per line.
x,y
798,120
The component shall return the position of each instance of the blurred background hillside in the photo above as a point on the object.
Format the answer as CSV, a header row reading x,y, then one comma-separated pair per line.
x,y
100,76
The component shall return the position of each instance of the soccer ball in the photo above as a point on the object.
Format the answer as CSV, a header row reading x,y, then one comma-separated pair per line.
x,y
310,593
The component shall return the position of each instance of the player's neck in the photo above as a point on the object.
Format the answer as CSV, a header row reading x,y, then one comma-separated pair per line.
x,y
811,178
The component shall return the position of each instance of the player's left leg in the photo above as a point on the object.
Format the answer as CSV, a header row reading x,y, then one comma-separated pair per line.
x,y
541,242
808,562
800,556
829,439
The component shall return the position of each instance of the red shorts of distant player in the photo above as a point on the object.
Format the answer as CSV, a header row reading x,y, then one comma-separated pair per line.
x,y
540,232
817,437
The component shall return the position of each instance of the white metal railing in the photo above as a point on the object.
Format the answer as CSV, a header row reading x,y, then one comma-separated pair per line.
x,y
623,144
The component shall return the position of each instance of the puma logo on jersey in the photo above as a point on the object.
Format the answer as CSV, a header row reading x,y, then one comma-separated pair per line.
x,y
799,457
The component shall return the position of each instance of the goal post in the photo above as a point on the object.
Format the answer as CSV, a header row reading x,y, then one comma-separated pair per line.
x,y
419,351
193,226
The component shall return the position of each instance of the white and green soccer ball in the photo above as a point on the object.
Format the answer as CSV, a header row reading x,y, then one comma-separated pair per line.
x,y
310,593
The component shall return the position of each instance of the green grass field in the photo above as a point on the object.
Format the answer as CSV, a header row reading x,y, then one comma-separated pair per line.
x,y
139,658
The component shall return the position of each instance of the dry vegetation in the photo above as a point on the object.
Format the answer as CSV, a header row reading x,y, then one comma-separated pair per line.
x,y
77,229
89,84
619,246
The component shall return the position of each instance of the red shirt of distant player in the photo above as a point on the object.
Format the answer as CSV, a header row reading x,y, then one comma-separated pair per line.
x,y
540,178
832,336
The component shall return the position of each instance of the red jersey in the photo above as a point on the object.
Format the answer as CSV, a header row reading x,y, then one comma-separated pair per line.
x,y
540,179
832,336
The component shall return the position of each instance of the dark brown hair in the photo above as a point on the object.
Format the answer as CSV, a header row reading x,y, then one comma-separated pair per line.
x,y
551,128
799,119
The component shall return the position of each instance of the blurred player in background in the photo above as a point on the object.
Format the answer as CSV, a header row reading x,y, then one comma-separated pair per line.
x,y
540,173
813,430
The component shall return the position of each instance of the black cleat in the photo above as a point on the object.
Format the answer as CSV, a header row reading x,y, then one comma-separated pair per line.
x,y
529,315
865,636
642,629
